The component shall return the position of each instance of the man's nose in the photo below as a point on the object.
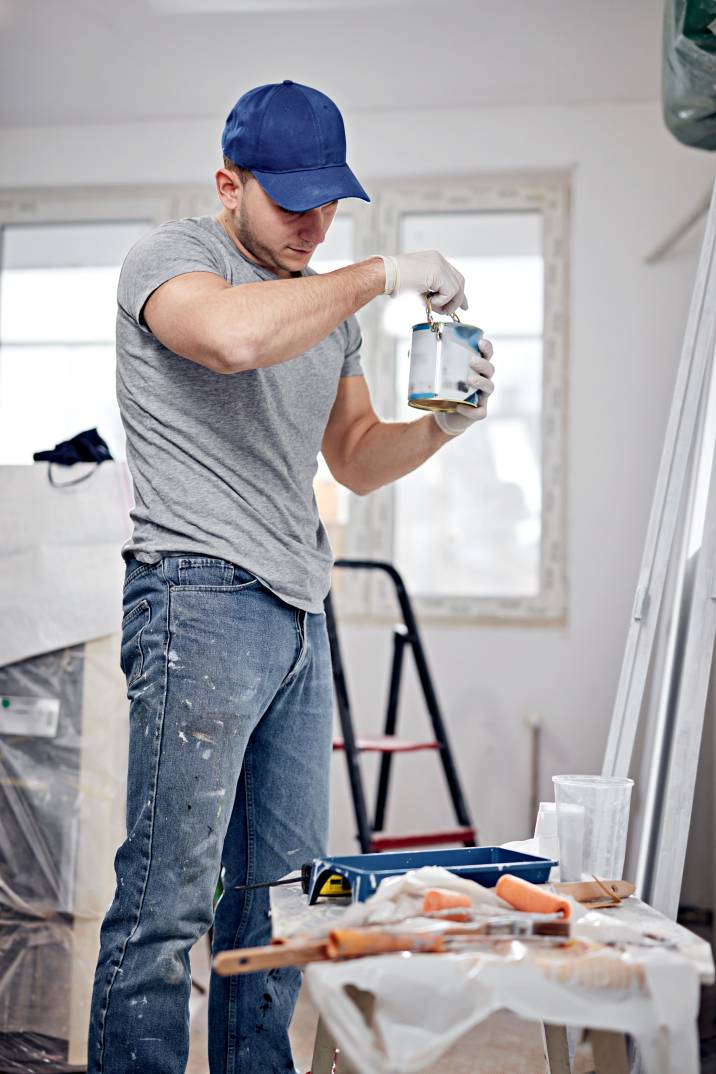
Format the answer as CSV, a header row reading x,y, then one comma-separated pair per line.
x,y
313,228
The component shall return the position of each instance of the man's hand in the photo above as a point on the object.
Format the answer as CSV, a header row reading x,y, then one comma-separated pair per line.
x,y
425,273
465,416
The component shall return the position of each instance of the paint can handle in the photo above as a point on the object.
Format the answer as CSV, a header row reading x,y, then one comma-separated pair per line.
x,y
435,325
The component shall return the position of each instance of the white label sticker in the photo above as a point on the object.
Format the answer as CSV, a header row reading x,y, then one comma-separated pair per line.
x,y
422,363
37,716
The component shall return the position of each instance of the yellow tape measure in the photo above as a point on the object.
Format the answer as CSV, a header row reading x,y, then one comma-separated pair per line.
x,y
334,887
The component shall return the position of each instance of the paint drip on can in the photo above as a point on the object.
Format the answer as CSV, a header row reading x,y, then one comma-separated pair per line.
x,y
440,354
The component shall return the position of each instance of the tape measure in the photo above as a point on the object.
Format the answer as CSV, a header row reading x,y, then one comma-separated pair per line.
x,y
335,887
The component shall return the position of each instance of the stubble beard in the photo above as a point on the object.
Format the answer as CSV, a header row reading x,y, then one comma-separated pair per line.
x,y
261,254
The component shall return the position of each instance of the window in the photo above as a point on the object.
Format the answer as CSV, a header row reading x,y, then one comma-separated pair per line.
x,y
57,315
60,255
477,531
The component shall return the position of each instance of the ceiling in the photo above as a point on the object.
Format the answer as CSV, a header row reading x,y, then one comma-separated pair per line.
x,y
94,61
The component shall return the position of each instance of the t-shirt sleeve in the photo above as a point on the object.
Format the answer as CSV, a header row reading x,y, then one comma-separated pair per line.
x,y
352,365
172,250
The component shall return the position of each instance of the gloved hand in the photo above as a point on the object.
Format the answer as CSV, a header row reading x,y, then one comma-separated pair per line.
x,y
425,273
465,416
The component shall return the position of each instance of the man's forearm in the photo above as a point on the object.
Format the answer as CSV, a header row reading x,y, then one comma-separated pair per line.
x,y
389,450
270,322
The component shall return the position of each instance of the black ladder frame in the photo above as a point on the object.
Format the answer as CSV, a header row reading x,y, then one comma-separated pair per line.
x,y
405,634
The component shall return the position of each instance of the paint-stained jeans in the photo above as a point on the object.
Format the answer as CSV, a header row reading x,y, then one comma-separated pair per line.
x,y
230,740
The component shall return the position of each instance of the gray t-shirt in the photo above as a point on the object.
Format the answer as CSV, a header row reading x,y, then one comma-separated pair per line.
x,y
223,465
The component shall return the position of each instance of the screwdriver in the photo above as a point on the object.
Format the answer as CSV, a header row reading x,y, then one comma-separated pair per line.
x,y
334,887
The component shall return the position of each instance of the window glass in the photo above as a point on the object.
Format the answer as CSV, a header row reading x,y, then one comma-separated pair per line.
x,y
468,522
336,250
58,286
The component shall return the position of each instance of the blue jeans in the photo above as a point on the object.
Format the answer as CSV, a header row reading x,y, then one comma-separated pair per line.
x,y
230,740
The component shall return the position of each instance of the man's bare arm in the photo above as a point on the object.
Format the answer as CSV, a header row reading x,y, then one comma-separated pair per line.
x,y
229,329
363,453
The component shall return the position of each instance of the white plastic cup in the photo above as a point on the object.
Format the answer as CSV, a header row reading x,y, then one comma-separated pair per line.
x,y
570,831
605,801
546,831
546,823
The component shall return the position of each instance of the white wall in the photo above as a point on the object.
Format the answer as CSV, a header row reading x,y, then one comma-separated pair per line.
x,y
632,182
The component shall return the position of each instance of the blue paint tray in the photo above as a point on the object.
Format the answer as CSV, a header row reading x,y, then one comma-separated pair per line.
x,y
484,865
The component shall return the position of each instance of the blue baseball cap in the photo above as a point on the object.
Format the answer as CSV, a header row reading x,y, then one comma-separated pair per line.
x,y
292,139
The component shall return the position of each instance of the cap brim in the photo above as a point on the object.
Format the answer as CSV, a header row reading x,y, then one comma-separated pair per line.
x,y
303,190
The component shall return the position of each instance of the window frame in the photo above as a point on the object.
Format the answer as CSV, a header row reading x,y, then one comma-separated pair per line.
x,y
372,523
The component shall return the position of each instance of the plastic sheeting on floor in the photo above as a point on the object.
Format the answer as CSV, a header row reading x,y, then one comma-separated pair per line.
x,y
62,805
63,746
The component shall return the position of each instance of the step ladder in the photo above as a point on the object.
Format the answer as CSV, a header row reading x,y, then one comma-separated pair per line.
x,y
405,635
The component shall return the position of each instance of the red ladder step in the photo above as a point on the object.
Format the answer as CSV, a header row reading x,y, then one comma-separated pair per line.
x,y
422,839
387,744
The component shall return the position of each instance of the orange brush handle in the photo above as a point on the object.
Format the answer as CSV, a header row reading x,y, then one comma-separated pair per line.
x,y
530,897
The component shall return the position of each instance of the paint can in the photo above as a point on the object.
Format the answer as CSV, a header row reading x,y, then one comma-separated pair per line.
x,y
440,355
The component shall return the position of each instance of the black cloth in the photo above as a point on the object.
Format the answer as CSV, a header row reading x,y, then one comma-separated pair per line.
x,y
85,447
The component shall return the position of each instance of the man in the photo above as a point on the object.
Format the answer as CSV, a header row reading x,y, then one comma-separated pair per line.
x,y
236,365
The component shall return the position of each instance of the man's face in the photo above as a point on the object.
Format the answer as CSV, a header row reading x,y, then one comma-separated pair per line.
x,y
279,240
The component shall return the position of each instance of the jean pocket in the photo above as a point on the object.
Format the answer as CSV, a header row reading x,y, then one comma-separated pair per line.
x,y
132,656
135,570
202,572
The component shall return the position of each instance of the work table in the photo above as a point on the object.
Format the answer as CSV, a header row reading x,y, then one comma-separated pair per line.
x,y
360,1008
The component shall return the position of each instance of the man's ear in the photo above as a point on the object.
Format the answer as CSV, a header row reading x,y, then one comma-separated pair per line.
x,y
228,186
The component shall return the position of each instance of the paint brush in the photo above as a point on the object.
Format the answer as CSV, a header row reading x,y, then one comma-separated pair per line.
x,y
362,943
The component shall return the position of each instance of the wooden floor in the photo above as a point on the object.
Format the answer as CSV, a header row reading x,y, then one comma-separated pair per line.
x,y
503,1044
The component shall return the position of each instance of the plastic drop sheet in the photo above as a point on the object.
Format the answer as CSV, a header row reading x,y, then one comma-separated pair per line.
x,y
61,571
421,1004
689,71
62,805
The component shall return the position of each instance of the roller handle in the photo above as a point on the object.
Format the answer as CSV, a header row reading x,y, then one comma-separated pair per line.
x,y
273,956
342,943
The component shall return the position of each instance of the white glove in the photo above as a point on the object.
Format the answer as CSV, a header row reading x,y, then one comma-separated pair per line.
x,y
425,273
465,416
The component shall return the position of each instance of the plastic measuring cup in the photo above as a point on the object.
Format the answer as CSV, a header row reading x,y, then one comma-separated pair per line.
x,y
546,831
570,832
605,801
